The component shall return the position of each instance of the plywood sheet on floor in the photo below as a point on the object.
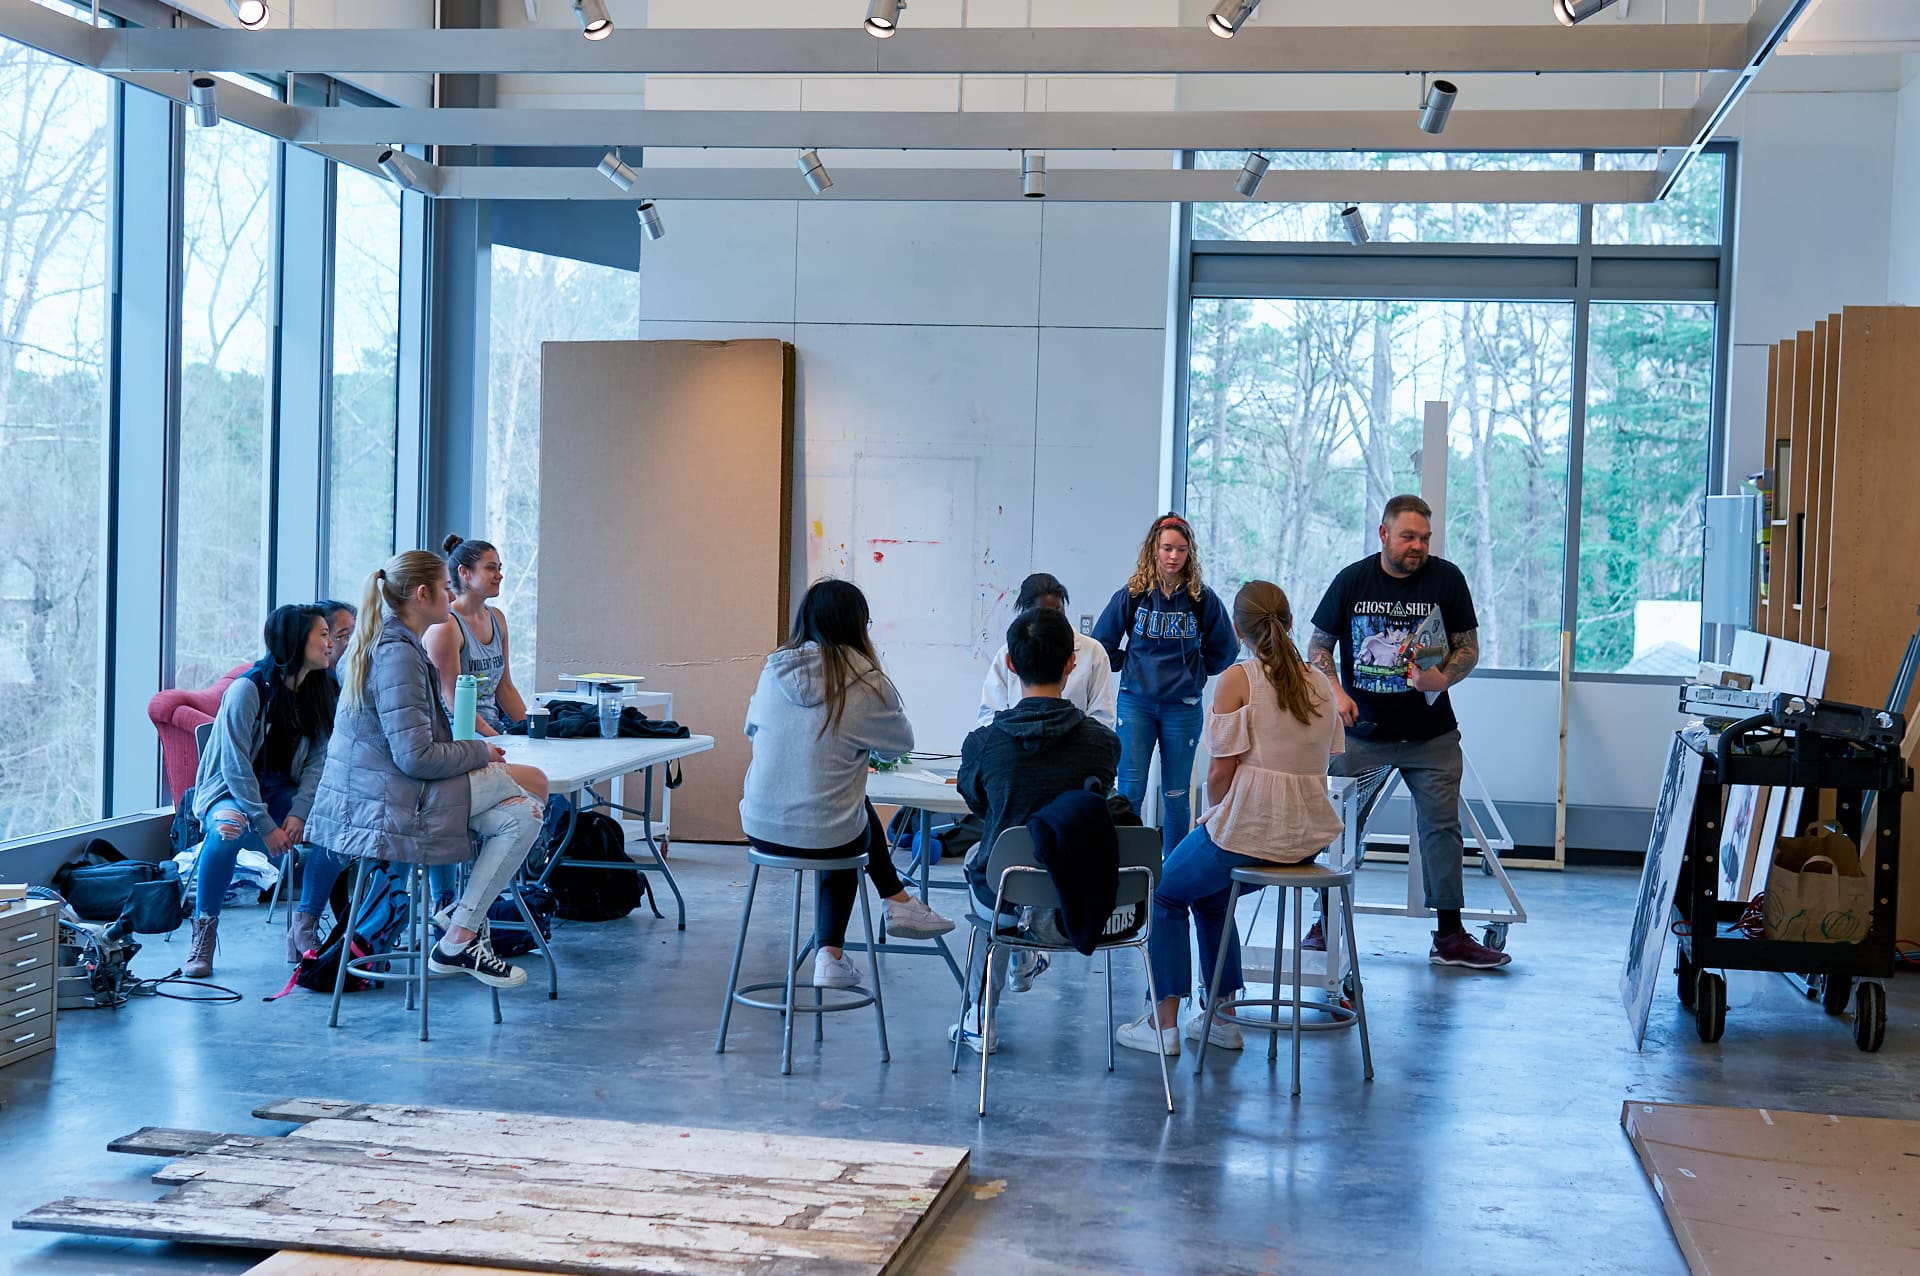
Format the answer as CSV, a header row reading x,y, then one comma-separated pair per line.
x,y
1750,1192
304,1262
504,1189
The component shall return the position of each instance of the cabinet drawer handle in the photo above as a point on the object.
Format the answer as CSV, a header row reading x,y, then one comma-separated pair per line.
x,y
27,938
21,989
21,1014
24,962
21,1041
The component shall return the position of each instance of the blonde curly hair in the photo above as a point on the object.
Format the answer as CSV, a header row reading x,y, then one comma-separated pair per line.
x,y
1146,573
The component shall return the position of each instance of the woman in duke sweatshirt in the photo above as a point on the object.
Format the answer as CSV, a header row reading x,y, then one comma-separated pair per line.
x,y
1176,635
822,706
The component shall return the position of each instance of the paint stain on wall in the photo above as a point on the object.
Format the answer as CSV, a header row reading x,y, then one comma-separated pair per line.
x,y
819,530
879,557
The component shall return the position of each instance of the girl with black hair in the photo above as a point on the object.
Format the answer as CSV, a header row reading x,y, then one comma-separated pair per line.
x,y
821,708
261,766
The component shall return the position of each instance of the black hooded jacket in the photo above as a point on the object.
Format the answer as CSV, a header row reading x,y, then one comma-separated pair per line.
x,y
1027,756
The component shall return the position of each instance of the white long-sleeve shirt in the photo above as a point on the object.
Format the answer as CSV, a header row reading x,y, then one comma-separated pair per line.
x,y
1090,687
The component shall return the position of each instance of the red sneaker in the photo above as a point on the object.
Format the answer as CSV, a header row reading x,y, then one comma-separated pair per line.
x,y
1462,949
1315,940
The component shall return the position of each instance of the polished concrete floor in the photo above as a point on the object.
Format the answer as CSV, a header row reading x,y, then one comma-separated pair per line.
x,y
1488,1142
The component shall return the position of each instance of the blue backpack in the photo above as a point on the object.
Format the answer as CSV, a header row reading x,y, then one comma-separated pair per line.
x,y
382,920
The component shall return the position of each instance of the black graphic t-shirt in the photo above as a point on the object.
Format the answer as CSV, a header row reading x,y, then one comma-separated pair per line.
x,y
1374,616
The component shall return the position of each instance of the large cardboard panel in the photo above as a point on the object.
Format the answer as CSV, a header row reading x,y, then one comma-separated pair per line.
x,y
1822,485
1751,1192
1812,534
665,525
1799,426
1767,608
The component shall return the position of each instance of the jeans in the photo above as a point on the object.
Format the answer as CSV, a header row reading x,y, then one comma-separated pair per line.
x,y
1196,877
320,871
1431,770
213,871
839,890
1175,726
508,822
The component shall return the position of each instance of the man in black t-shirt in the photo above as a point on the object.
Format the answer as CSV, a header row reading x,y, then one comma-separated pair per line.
x,y
1404,625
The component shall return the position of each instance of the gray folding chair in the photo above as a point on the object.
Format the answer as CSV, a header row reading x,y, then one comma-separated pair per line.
x,y
1023,883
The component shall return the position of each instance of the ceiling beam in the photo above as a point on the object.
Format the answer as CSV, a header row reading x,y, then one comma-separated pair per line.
x,y
1131,185
1001,130
1769,25
1187,50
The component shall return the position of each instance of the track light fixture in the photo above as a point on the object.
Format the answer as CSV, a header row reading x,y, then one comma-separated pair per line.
x,y
251,14
617,170
650,221
203,97
1250,174
1354,224
1229,16
1436,104
1033,176
1573,12
402,168
593,19
883,18
818,179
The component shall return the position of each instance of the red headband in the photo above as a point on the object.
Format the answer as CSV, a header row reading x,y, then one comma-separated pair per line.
x,y
1174,520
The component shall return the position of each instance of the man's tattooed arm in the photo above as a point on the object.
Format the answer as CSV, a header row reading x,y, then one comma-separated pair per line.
x,y
1320,654
1463,653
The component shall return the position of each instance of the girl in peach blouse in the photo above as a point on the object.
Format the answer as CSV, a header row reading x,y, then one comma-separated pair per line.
x,y
1270,732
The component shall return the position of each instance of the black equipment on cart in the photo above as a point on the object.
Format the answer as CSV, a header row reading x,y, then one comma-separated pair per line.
x,y
1814,746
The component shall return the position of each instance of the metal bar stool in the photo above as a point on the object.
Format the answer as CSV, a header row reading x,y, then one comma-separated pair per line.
x,y
413,954
860,997
1298,879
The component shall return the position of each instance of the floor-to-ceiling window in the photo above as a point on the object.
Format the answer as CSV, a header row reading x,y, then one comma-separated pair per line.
x,y
364,438
1307,382
536,298
55,123
227,258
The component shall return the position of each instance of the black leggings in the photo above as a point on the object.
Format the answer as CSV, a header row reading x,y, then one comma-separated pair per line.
x,y
834,899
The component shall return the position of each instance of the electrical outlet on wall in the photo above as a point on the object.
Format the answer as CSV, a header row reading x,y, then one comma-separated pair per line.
x,y
1086,624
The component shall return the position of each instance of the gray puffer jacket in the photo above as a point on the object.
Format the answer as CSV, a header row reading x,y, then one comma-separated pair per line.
x,y
395,785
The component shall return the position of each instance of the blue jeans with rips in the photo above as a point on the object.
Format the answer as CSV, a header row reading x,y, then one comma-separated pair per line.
x,y
1174,726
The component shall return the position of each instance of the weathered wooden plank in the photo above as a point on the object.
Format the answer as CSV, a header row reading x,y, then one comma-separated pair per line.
x,y
212,1223
160,1140
452,1129
305,1262
529,1192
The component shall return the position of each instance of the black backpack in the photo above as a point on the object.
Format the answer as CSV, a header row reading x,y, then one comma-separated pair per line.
x,y
509,929
583,894
186,833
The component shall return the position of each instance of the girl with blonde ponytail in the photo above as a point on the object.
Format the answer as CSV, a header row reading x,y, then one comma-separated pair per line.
x,y
1270,732
398,786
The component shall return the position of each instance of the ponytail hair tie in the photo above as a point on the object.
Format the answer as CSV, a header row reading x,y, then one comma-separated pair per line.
x,y
381,574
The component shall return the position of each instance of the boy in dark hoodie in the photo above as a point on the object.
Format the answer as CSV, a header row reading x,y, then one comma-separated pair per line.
x,y
1028,755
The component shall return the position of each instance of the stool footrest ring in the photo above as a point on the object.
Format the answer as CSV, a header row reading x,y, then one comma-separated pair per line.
x,y
860,1000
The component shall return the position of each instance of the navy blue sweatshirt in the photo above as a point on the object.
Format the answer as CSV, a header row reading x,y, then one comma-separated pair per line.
x,y
1173,645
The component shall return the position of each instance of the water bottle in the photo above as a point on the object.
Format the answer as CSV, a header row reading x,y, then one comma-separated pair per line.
x,y
608,696
466,695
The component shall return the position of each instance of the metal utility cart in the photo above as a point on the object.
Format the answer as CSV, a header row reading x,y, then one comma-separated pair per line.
x,y
1795,742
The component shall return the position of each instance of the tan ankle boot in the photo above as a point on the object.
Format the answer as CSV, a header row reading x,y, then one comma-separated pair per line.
x,y
302,936
199,963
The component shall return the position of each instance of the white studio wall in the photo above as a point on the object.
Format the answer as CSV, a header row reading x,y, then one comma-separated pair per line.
x,y
980,396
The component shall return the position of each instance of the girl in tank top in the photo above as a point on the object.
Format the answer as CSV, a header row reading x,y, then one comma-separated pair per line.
x,y
473,638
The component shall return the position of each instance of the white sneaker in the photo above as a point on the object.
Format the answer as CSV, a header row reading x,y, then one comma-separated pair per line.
x,y
834,972
910,918
1024,967
1140,1034
1225,1036
969,1032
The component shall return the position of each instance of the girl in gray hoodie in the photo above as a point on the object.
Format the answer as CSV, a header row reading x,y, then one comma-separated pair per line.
x,y
821,708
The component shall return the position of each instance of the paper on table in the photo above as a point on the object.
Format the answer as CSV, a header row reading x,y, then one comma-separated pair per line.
x,y
603,677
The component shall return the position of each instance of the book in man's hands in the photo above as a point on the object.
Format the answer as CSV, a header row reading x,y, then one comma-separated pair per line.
x,y
1428,646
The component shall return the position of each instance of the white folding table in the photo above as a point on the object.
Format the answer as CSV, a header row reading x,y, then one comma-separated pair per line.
x,y
927,794
576,766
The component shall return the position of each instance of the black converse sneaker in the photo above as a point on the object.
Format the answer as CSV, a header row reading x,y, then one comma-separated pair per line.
x,y
479,960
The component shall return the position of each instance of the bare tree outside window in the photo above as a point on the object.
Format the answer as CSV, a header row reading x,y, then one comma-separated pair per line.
x,y
536,298
55,124
226,334
364,440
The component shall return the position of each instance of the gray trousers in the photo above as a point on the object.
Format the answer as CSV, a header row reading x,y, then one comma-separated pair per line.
x,y
1431,770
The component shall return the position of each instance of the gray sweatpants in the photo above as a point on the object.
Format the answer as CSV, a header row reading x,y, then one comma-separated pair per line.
x,y
1431,770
